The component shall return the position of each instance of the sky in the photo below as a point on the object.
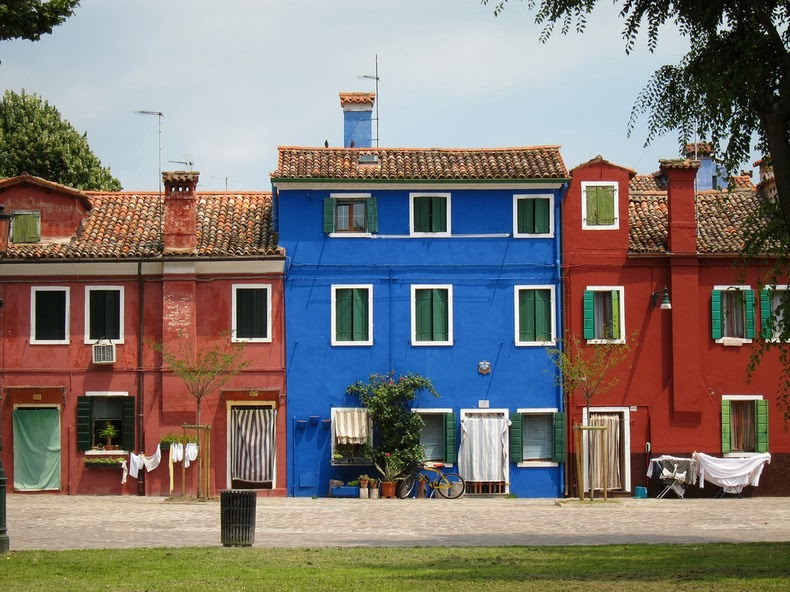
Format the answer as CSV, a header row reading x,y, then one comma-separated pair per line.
x,y
238,78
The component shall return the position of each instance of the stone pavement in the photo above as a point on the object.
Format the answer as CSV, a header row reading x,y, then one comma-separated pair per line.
x,y
42,521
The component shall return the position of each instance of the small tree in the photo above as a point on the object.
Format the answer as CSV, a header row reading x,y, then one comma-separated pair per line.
x,y
587,371
396,428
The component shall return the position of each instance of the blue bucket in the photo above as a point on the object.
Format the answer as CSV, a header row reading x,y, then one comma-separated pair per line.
x,y
640,492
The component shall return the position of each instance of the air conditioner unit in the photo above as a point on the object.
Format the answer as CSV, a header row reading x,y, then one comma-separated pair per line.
x,y
103,353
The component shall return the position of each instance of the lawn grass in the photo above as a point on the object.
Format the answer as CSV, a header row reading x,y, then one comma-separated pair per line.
x,y
626,568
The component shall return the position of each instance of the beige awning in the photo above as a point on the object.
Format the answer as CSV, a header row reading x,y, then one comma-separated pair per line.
x,y
351,426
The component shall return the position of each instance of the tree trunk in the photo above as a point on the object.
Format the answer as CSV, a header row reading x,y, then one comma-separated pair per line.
x,y
775,126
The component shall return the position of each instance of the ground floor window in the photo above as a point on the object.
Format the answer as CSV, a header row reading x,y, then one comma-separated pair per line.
x,y
105,421
744,424
351,434
438,436
537,436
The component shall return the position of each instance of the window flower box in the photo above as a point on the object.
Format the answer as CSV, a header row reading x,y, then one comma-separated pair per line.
x,y
345,491
103,462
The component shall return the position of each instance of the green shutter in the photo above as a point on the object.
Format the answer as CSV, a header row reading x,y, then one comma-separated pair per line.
x,y
438,214
592,205
421,212
372,211
725,427
343,315
761,421
441,315
104,309
450,446
127,425
605,201
748,305
541,215
516,438
422,315
558,449
329,215
84,413
715,314
25,228
589,316
765,314
616,315
543,315
360,314
526,216
526,302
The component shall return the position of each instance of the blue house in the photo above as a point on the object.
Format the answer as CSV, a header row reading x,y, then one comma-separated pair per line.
x,y
438,262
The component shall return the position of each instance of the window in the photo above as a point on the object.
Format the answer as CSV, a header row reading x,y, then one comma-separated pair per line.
x,y
351,433
350,214
352,318
26,227
600,205
732,313
537,437
604,314
744,424
438,436
95,411
535,317
772,310
533,216
430,214
251,312
432,315
49,315
103,314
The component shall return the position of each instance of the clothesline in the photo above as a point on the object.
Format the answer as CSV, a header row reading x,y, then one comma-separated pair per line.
x,y
178,453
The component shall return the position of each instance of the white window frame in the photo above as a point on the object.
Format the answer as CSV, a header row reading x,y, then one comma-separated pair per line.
x,y
516,289
268,337
67,304
343,197
757,324
526,196
550,411
448,213
333,311
435,411
616,225
740,453
621,290
121,302
777,288
333,413
414,288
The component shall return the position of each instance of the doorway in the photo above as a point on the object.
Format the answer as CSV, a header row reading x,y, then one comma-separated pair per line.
x,y
483,457
252,447
614,450
37,448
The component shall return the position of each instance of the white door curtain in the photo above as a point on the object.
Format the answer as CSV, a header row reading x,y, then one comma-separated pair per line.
x,y
483,451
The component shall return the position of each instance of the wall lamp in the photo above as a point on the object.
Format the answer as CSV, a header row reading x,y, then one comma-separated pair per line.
x,y
664,295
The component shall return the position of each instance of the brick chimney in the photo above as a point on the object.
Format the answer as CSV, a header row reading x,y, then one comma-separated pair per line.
x,y
682,204
357,119
180,210
5,230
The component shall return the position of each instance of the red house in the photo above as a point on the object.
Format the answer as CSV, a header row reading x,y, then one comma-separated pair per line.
x,y
89,281
632,243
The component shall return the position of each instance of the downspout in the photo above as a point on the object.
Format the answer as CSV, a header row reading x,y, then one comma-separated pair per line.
x,y
561,324
140,375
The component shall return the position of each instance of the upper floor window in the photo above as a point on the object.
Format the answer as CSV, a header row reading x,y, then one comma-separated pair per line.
x,y
49,315
600,205
251,312
744,424
26,227
732,313
773,303
430,214
432,315
103,314
533,216
535,315
350,214
352,317
604,314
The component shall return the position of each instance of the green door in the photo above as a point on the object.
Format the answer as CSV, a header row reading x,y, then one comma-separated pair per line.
x,y
37,449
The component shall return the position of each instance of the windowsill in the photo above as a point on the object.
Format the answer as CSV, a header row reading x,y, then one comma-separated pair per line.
x,y
537,463
351,343
536,343
350,235
252,340
432,343
550,235
119,341
741,454
36,342
733,341
431,234
601,227
102,452
605,341
345,462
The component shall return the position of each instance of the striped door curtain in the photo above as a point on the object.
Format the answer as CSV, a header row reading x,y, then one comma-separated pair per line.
x,y
253,444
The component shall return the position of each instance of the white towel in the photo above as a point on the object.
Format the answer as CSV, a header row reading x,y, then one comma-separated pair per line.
x,y
190,453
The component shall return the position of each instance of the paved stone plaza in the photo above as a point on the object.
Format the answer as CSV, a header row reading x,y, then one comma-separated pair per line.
x,y
87,522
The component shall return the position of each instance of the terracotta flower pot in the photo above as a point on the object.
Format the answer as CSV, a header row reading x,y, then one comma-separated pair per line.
x,y
388,489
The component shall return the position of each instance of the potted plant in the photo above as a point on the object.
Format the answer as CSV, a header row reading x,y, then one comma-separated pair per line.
x,y
102,462
373,493
363,481
351,489
108,432
389,474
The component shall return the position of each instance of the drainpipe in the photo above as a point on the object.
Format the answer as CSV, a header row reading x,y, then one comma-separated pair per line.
x,y
140,375
561,325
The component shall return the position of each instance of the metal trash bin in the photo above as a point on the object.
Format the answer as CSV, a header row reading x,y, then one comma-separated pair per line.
x,y
237,509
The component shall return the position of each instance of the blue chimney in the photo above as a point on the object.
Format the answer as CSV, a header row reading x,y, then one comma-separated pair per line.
x,y
711,175
357,119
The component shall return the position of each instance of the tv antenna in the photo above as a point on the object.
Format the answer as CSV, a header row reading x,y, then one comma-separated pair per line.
x,y
188,163
226,177
159,115
375,77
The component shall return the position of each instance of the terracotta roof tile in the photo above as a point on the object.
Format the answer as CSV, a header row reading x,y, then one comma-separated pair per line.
x,y
125,225
601,160
416,164
357,98
655,182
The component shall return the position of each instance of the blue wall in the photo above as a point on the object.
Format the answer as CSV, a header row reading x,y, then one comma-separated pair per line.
x,y
483,272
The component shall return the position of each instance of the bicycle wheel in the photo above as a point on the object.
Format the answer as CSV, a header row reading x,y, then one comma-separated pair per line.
x,y
450,485
406,486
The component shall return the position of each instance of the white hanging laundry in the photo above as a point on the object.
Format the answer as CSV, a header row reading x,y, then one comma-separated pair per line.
x,y
151,462
190,453
125,472
177,452
135,462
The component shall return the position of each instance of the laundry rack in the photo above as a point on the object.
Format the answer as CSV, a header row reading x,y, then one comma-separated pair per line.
x,y
676,473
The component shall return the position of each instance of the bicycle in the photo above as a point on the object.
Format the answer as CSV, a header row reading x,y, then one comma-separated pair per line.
x,y
449,485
